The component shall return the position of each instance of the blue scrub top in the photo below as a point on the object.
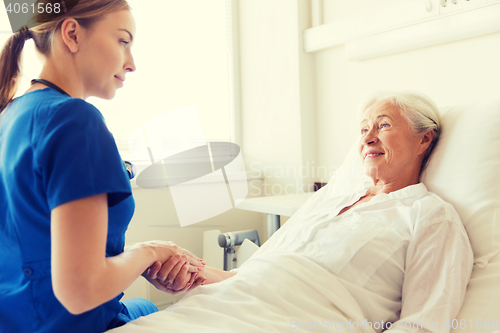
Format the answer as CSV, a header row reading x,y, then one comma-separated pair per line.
x,y
53,149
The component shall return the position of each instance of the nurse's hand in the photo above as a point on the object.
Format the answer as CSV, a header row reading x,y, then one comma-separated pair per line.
x,y
163,251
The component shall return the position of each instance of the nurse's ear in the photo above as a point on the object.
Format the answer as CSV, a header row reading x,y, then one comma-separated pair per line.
x,y
71,33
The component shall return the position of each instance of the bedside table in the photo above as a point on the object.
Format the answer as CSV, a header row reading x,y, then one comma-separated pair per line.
x,y
274,207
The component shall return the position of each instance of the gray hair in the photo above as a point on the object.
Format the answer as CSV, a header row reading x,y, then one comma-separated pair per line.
x,y
417,108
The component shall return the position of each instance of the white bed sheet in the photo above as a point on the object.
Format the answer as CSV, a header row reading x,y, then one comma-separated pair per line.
x,y
286,292
281,292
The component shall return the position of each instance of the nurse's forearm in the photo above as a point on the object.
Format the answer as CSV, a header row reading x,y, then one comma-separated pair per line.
x,y
82,276
106,281
88,287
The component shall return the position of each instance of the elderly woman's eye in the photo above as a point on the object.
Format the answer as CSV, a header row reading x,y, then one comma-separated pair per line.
x,y
384,125
364,130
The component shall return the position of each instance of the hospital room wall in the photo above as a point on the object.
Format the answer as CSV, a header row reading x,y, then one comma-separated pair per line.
x,y
453,73
299,110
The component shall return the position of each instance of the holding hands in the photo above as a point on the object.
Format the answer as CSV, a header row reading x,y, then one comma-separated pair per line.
x,y
181,272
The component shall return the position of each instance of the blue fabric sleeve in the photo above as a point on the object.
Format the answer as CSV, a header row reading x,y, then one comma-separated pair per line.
x,y
77,157
132,309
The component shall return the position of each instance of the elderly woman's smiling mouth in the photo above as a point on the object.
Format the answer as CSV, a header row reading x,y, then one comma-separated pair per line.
x,y
373,154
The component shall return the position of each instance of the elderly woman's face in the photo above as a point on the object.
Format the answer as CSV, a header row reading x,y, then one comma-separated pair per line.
x,y
389,148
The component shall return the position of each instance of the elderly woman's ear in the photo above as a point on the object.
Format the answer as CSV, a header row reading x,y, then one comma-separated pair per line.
x,y
425,142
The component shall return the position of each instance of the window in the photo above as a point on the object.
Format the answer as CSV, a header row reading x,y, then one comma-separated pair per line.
x,y
182,51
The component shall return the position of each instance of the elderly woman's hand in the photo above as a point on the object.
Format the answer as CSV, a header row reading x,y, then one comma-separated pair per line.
x,y
207,275
175,276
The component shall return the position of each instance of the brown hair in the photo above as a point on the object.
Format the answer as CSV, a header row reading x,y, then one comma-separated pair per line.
x,y
86,12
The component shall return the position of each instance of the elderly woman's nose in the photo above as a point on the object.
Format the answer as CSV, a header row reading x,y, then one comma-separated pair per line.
x,y
370,137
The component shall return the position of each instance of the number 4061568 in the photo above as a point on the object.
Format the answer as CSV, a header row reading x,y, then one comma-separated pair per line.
x,y
40,8
472,324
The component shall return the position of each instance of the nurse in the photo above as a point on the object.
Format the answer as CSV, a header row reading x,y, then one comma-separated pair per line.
x,y
65,196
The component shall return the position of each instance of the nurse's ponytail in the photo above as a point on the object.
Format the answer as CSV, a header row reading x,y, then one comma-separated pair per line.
x,y
85,12
10,61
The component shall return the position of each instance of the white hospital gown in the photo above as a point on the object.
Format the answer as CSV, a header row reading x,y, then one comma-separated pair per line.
x,y
404,256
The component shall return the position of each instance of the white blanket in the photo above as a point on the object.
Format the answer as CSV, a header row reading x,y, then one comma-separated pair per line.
x,y
277,292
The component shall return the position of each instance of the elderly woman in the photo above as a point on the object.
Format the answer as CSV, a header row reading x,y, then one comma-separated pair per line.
x,y
389,254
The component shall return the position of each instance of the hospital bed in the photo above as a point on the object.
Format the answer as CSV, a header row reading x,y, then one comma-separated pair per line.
x,y
464,170
229,240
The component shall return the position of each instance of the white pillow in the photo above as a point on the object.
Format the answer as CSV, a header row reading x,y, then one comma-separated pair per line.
x,y
464,170
482,301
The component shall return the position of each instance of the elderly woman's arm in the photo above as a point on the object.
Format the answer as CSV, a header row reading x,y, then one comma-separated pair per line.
x,y
438,268
213,275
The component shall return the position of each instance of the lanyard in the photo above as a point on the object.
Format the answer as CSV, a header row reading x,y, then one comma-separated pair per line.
x,y
49,84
